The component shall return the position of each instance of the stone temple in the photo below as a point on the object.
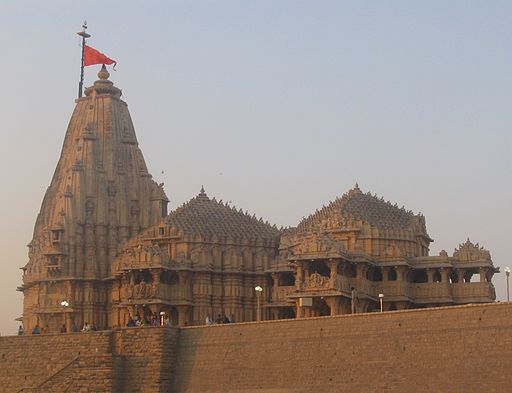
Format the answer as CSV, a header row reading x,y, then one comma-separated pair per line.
x,y
104,248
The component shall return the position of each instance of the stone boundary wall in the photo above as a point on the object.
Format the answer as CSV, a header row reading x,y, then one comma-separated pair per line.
x,y
461,349
122,360
451,349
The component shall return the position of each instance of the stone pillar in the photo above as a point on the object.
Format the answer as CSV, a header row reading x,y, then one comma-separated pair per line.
x,y
445,274
334,268
300,275
401,271
333,274
430,275
333,303
275,279
299,311
460,275
483,273
361,270
155,275
385,273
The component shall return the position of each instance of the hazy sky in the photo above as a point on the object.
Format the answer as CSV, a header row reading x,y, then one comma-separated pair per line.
x,y
277,106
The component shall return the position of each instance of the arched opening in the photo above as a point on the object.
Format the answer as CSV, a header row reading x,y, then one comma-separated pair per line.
x,y
169,278
437,276
286,279
142,275
471,275
419,276
392,276
320,267
374,274
454,277
350,270
392,306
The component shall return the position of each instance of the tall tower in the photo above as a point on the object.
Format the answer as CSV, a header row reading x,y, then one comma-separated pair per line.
x,y
101,195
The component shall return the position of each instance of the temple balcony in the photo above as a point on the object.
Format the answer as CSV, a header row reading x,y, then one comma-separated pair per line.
x,y
476,292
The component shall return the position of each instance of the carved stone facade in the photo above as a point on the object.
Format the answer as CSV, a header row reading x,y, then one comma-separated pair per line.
x,y
360,248
103,242
204,259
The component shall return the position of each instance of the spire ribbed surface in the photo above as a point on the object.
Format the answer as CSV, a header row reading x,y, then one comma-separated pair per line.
x,y
101,194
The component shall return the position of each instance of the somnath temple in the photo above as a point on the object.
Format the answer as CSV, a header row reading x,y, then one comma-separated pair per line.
x,y
104,248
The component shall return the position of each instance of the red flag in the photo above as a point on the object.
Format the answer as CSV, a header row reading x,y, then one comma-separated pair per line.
x,y
93,56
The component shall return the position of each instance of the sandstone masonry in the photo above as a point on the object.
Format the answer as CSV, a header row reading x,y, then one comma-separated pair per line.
x,y
431,350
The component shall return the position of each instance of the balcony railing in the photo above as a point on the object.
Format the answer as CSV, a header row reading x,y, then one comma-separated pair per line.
x,y
403,289
473,290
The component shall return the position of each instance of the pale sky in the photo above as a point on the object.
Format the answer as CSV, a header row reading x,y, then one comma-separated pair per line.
x,y
278,106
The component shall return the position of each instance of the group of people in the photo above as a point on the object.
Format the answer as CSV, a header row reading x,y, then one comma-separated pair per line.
x,y
136,321
74,329
221,318
145,321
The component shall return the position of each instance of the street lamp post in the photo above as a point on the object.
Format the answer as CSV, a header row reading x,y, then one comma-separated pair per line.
x,y
507,272
381,300
258,290
65,304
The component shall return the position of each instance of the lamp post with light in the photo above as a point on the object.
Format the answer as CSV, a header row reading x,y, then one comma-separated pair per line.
x,y
65,304
507,273
381,300
258,290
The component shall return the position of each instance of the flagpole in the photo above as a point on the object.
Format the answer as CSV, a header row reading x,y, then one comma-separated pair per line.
x,y
84,35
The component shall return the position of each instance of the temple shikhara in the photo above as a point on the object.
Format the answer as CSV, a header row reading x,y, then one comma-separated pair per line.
x,y
105,248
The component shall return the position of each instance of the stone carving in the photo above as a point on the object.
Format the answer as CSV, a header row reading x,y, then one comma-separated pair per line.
x,y
316,281
471,252
330,245
143,290
393,251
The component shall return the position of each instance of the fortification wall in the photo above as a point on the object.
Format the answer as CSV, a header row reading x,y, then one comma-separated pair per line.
x,y
461,349
123,360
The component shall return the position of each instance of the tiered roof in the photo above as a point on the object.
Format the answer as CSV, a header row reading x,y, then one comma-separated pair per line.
x,y
207,217
366,207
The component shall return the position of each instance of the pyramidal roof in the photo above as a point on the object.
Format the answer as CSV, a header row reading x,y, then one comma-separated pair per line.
x,y
364,206
209,217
